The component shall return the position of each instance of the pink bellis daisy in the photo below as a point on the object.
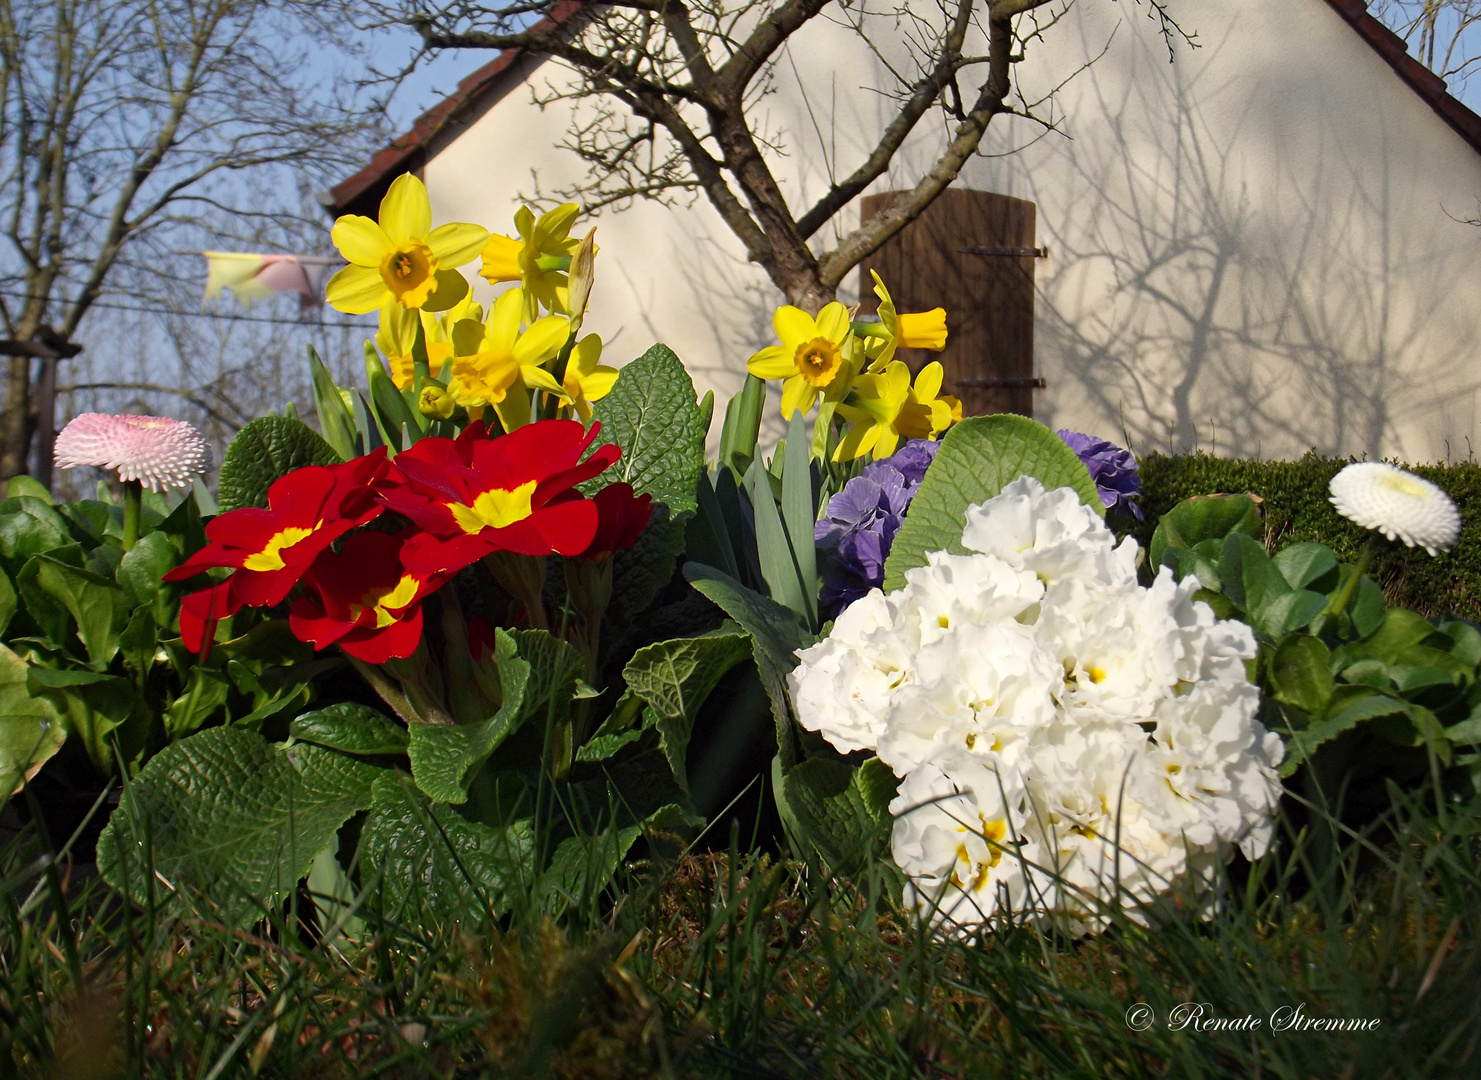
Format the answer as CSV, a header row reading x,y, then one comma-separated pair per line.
x,y
155,451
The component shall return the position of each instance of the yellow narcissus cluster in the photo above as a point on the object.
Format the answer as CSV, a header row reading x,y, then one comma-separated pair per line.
x,y
522,359
851,367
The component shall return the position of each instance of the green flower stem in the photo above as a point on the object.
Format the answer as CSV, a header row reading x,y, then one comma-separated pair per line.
x,y
133,498
870,328
1338,604
553,262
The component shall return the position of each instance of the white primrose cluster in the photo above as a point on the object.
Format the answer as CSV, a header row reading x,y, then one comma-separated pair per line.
x,y
1064,736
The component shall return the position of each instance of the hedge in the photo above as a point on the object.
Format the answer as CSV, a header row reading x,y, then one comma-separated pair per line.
x,y
1296,508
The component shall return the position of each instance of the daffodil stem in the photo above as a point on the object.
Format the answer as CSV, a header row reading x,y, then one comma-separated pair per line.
x,y
133,500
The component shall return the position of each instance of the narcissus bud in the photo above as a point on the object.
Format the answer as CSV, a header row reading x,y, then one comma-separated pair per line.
x,y
435,402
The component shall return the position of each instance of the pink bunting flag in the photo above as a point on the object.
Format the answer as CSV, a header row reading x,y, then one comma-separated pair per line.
x,y
255,277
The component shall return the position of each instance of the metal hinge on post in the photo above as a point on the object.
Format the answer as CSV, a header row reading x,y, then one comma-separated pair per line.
x,y
1009,252
1003,384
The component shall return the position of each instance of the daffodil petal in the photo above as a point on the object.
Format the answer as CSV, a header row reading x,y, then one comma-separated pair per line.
x,y
524,223
556,223
356,290
503,326
773,362
832,322
793,326
514,410
858,442
797,393
467,336
451,288
397,328
360,240
586,353
598,383
928,382
457,242
501,259
885,440
542,340
406,213
535,376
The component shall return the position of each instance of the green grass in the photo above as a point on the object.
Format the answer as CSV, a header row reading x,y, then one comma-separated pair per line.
x,y
743,965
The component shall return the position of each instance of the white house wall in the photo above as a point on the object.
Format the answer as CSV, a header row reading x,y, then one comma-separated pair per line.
x,y
1255,249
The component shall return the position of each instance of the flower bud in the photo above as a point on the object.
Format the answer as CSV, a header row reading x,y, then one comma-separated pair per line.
x,y
435,402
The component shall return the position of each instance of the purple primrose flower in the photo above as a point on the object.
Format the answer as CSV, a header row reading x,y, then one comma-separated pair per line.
x,y
860,524
1112,468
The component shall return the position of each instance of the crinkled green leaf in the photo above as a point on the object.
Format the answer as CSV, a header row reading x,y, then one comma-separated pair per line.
x,y
1348,707
264,450
652,413
351,729
978,457
436,867
675,677
30,729
444,756
228,815
841,809
777,634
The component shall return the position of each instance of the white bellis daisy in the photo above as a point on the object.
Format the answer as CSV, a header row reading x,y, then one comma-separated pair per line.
x,y
1400,505
154,450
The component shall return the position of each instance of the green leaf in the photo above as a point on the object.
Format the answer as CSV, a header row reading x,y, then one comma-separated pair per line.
x,y
1301,673
1201,519
742,425
978,457
30,729
444,756
139,573
8,602
203,695
266,449
675,677
1305,563
1400,630
335,421
652,413
28,486
582,866
800,512
231,816
351,729
91,706
29,526
839,808
435,867
776,637
1290,611
778,563
1348,707
1465,640
99,608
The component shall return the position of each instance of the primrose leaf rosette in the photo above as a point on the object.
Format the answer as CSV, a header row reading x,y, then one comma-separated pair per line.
x,y
1067,739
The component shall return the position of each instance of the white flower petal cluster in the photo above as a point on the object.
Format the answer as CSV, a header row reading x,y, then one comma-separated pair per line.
x,y
1065,737
1400,505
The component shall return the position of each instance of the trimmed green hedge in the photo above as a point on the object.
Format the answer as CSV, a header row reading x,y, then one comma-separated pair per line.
x,y
1297,508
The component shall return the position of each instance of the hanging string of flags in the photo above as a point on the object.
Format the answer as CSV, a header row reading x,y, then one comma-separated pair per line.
x,y
250,278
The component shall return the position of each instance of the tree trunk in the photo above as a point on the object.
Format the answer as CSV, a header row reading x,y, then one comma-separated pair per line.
x,y
15,422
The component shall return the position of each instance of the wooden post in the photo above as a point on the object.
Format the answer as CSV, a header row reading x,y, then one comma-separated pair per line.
x,y
973,253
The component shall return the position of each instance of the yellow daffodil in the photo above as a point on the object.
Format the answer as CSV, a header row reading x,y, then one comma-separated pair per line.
x,y
484,377
537,259
812,357
884,409
902,330
397,335
401,257
944,409
587,380
435,402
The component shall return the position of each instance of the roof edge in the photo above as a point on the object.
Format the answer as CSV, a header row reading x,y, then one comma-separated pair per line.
x,y
1421,79
408,152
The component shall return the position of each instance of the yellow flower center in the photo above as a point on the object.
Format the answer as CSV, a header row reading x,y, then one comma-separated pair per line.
x,y
410,272
384,601
1404,484
495,509
818,360
269,558
1097,675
